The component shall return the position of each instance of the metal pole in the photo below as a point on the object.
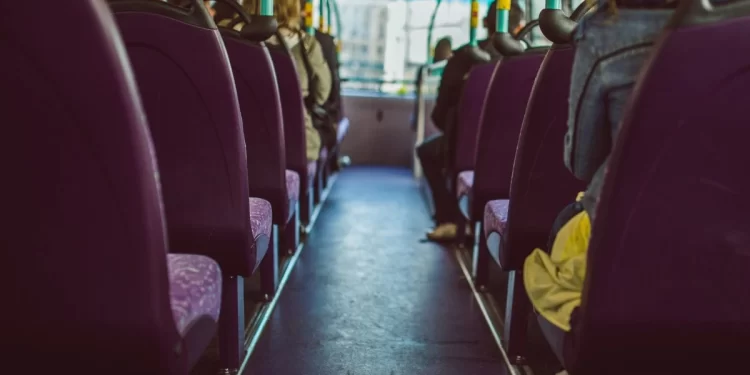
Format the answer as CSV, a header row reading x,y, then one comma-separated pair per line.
x,y
429,31
266,8
503,11
329,17
322,16
309,12
474,22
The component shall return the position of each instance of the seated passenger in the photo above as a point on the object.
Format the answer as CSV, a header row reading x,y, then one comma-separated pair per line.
x,y
333,104
443,49
331,54
611,46
312,69
436,152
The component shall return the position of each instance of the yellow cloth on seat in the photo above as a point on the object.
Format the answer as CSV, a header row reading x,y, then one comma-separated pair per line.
x,y
554,282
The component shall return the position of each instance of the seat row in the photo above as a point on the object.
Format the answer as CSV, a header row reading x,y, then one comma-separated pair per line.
x,y
672,213
158,161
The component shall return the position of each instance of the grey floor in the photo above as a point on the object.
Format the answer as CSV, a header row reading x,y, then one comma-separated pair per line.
x,y
367,297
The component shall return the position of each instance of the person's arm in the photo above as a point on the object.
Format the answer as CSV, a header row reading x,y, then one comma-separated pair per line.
x,y
320,70
450,89
588,141
332,58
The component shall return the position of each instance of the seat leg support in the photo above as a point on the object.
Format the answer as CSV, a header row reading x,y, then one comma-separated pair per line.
x,y
306,206
480,269
290,237
269,267
318,184
232,324
461,232
516,319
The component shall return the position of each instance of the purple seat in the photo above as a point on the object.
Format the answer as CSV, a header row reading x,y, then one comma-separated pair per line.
x,y
89,266
293,109
260,219
666,282
475,92
500,124
194,289
540,188
258,93
188,92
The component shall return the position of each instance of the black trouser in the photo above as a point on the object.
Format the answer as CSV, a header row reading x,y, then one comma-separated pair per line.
x,y
565,348
431,155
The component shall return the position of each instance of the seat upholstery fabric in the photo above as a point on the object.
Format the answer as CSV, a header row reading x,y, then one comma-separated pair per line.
x,y
312,168
495,216
465,182
194,289
260,217
292,186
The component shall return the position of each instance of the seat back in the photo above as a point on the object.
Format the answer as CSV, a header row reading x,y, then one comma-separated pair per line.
x,y
668,263
187,88
293,109
541,186
475,91
85,246
500,124
255,80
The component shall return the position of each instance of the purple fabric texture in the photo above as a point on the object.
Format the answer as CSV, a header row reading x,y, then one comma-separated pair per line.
x,y
496,216
465,182
292,186
260,217
312,168
194,289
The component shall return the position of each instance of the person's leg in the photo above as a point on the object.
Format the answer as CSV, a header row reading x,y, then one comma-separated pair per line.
x,y
431,156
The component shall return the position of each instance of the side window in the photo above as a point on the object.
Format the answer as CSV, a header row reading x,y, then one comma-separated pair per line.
x,y
385,43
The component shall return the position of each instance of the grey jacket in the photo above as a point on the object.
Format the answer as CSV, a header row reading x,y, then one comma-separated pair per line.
x,y
610,50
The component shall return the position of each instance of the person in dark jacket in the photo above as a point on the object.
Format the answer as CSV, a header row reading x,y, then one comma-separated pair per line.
x,y
436,153
331,55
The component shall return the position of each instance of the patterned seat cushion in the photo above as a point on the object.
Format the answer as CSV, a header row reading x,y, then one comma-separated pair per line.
x,y
312,167
464,184
495,216
194,289
260,217
292,185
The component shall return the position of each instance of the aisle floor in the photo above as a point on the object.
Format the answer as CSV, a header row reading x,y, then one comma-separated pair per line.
x,y
367,297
